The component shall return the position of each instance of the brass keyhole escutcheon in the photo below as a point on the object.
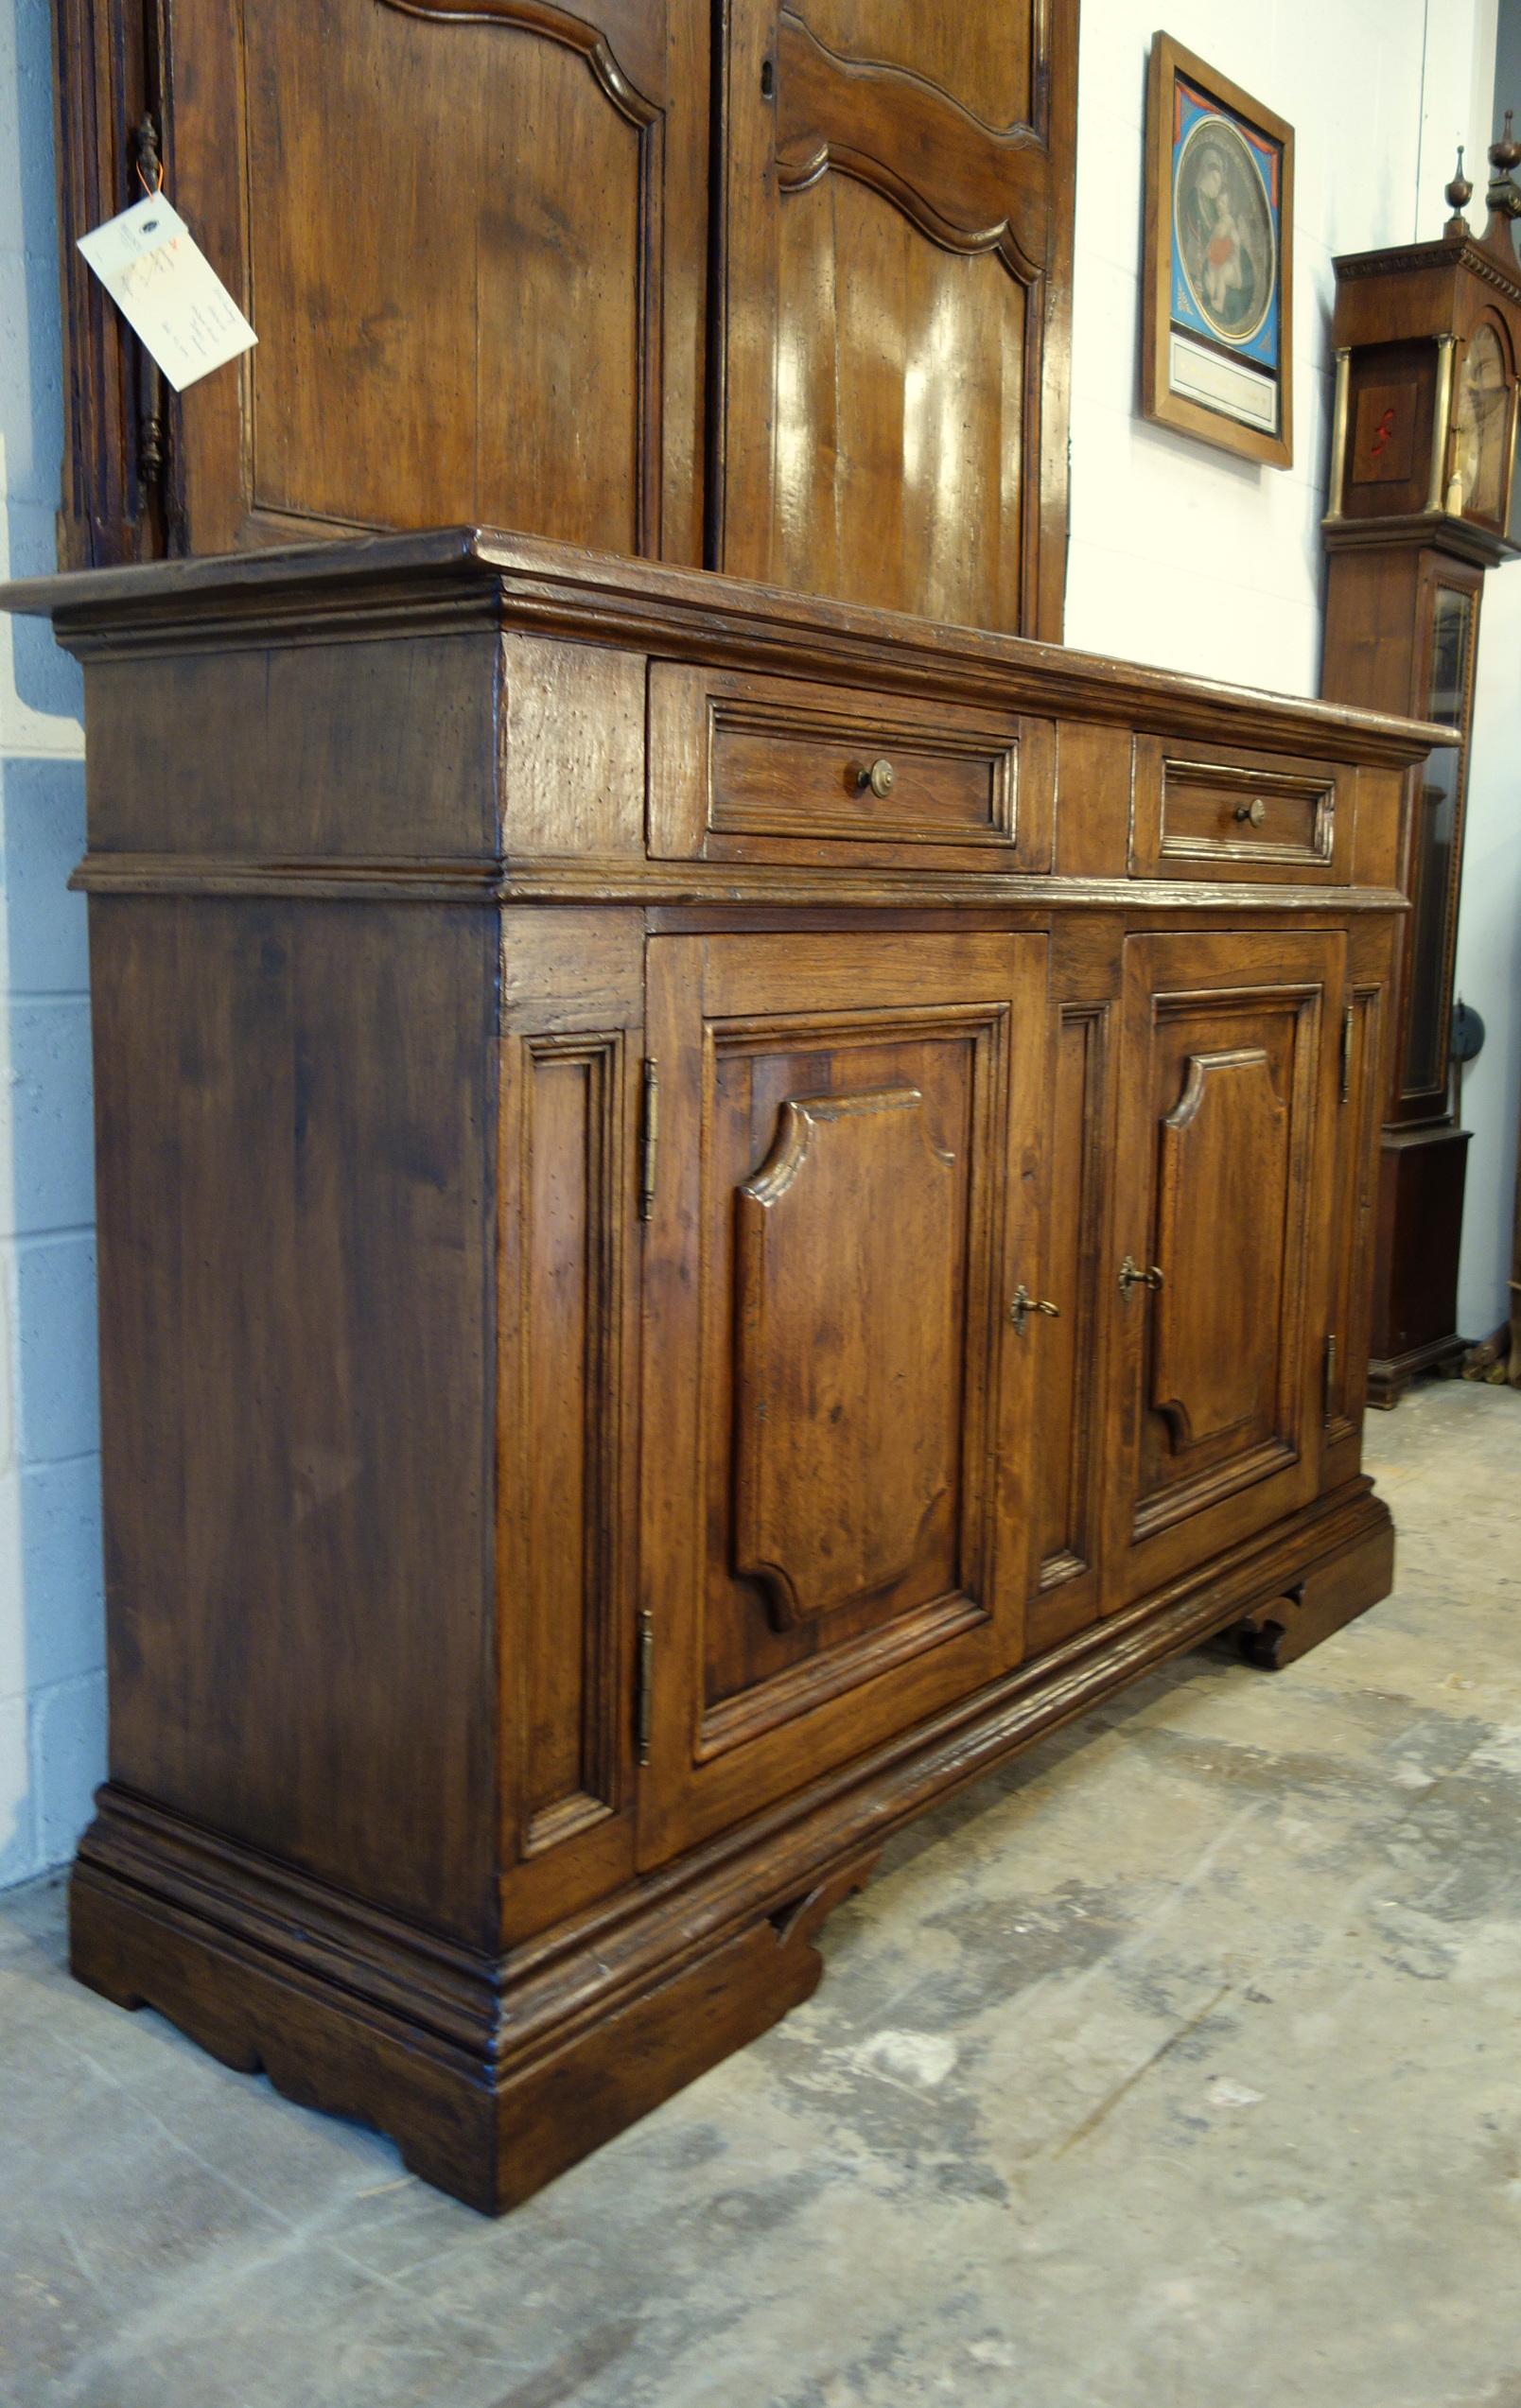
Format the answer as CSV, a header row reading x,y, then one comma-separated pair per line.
x,y
1024,1304
1131,1275
880,775
1252,813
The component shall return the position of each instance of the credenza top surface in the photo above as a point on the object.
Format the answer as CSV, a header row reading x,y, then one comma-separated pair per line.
x,y
480,577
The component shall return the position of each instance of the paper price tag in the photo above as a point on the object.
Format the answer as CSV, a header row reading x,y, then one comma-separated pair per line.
x,y
168,290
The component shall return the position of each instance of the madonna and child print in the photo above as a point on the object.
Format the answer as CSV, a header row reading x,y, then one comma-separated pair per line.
x,y
1216,274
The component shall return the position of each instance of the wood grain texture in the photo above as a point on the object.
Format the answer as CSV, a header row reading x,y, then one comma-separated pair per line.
x,y
1229,814
583,1455
846,1401
775,768
880,214
631,2001
294,1137
451,221
1220,1359
883,1598
448,224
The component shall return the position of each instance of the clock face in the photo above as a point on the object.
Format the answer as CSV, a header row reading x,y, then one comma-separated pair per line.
x,y
1480,427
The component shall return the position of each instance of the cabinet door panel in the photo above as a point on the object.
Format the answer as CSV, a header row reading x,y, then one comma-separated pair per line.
x,y
836,1533
449,221
1223,1167
841,1490
1229,1096
896,293
1069,1478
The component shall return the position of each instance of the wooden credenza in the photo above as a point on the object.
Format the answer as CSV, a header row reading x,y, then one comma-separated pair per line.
x,y
715,1209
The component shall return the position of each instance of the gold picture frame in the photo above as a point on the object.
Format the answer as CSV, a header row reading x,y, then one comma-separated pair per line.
x,y
1218,280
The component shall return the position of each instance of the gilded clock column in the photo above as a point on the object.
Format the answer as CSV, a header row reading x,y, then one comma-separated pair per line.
x,y
1422,501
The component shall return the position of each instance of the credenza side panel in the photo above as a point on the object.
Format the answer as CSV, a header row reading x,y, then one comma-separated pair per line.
x,y
295,1120
376,748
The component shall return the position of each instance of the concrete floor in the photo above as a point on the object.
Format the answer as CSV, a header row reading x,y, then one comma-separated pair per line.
x,y
1178,2066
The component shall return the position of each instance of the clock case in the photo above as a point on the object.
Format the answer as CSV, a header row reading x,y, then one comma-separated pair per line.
x,y
1408,538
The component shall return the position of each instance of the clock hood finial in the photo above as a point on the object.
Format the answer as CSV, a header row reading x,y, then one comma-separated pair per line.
x,y
1504,193
1459,194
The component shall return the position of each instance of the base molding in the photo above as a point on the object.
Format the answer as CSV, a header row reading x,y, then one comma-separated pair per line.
x,y
1331,1594
494,2072
1389,1377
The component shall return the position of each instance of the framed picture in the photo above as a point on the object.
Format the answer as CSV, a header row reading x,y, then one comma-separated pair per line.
x,y
1217,341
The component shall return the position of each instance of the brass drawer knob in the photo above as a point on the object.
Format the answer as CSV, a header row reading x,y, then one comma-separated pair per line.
x,y
1131,1275
1024,1303
1254,812
880,775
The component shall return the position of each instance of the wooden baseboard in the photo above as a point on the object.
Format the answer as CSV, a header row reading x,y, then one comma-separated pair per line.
x,y
494,2072
1389,1378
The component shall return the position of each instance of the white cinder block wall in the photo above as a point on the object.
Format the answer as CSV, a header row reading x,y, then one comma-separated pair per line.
x,y
52,1706
1179,556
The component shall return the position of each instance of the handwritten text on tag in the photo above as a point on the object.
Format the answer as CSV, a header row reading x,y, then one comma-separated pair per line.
x,y
168,290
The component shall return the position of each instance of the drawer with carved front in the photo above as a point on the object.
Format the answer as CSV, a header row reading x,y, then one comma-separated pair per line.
x,y
774,769
1206,812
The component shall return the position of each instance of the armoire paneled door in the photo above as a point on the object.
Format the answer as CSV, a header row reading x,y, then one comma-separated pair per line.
x,y
781,291
454,223
894,200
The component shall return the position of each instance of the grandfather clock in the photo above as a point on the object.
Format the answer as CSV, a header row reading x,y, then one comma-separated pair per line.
x,y
1423,501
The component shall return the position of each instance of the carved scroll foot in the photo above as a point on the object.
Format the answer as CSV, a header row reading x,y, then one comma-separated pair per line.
x,y
1330,1594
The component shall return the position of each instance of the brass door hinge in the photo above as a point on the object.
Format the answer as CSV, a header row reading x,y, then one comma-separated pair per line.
x,y
644,1685
1328,1390
1347,1019
648,1140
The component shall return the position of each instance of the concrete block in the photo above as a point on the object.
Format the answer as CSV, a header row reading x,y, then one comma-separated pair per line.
x,y
68,1761
56,1545
41,837
58,1408
52,1138
18,1821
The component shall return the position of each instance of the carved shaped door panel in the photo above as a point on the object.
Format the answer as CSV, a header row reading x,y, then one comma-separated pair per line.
x,y
470,235
899,198
1228,1097
836,1535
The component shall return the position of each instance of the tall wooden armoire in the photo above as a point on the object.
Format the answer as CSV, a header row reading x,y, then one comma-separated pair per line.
x,y
726,1188
1422,501
781,291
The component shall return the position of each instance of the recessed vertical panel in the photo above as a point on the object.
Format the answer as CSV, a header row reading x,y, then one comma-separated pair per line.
x,y
449,287
1346,1383
1221,1234
471,235
559,1416
895,415
847,1224
896,297
1069,1343
848,1399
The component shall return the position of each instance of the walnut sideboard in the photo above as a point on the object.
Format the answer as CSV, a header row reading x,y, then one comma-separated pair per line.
x,y
715,1209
